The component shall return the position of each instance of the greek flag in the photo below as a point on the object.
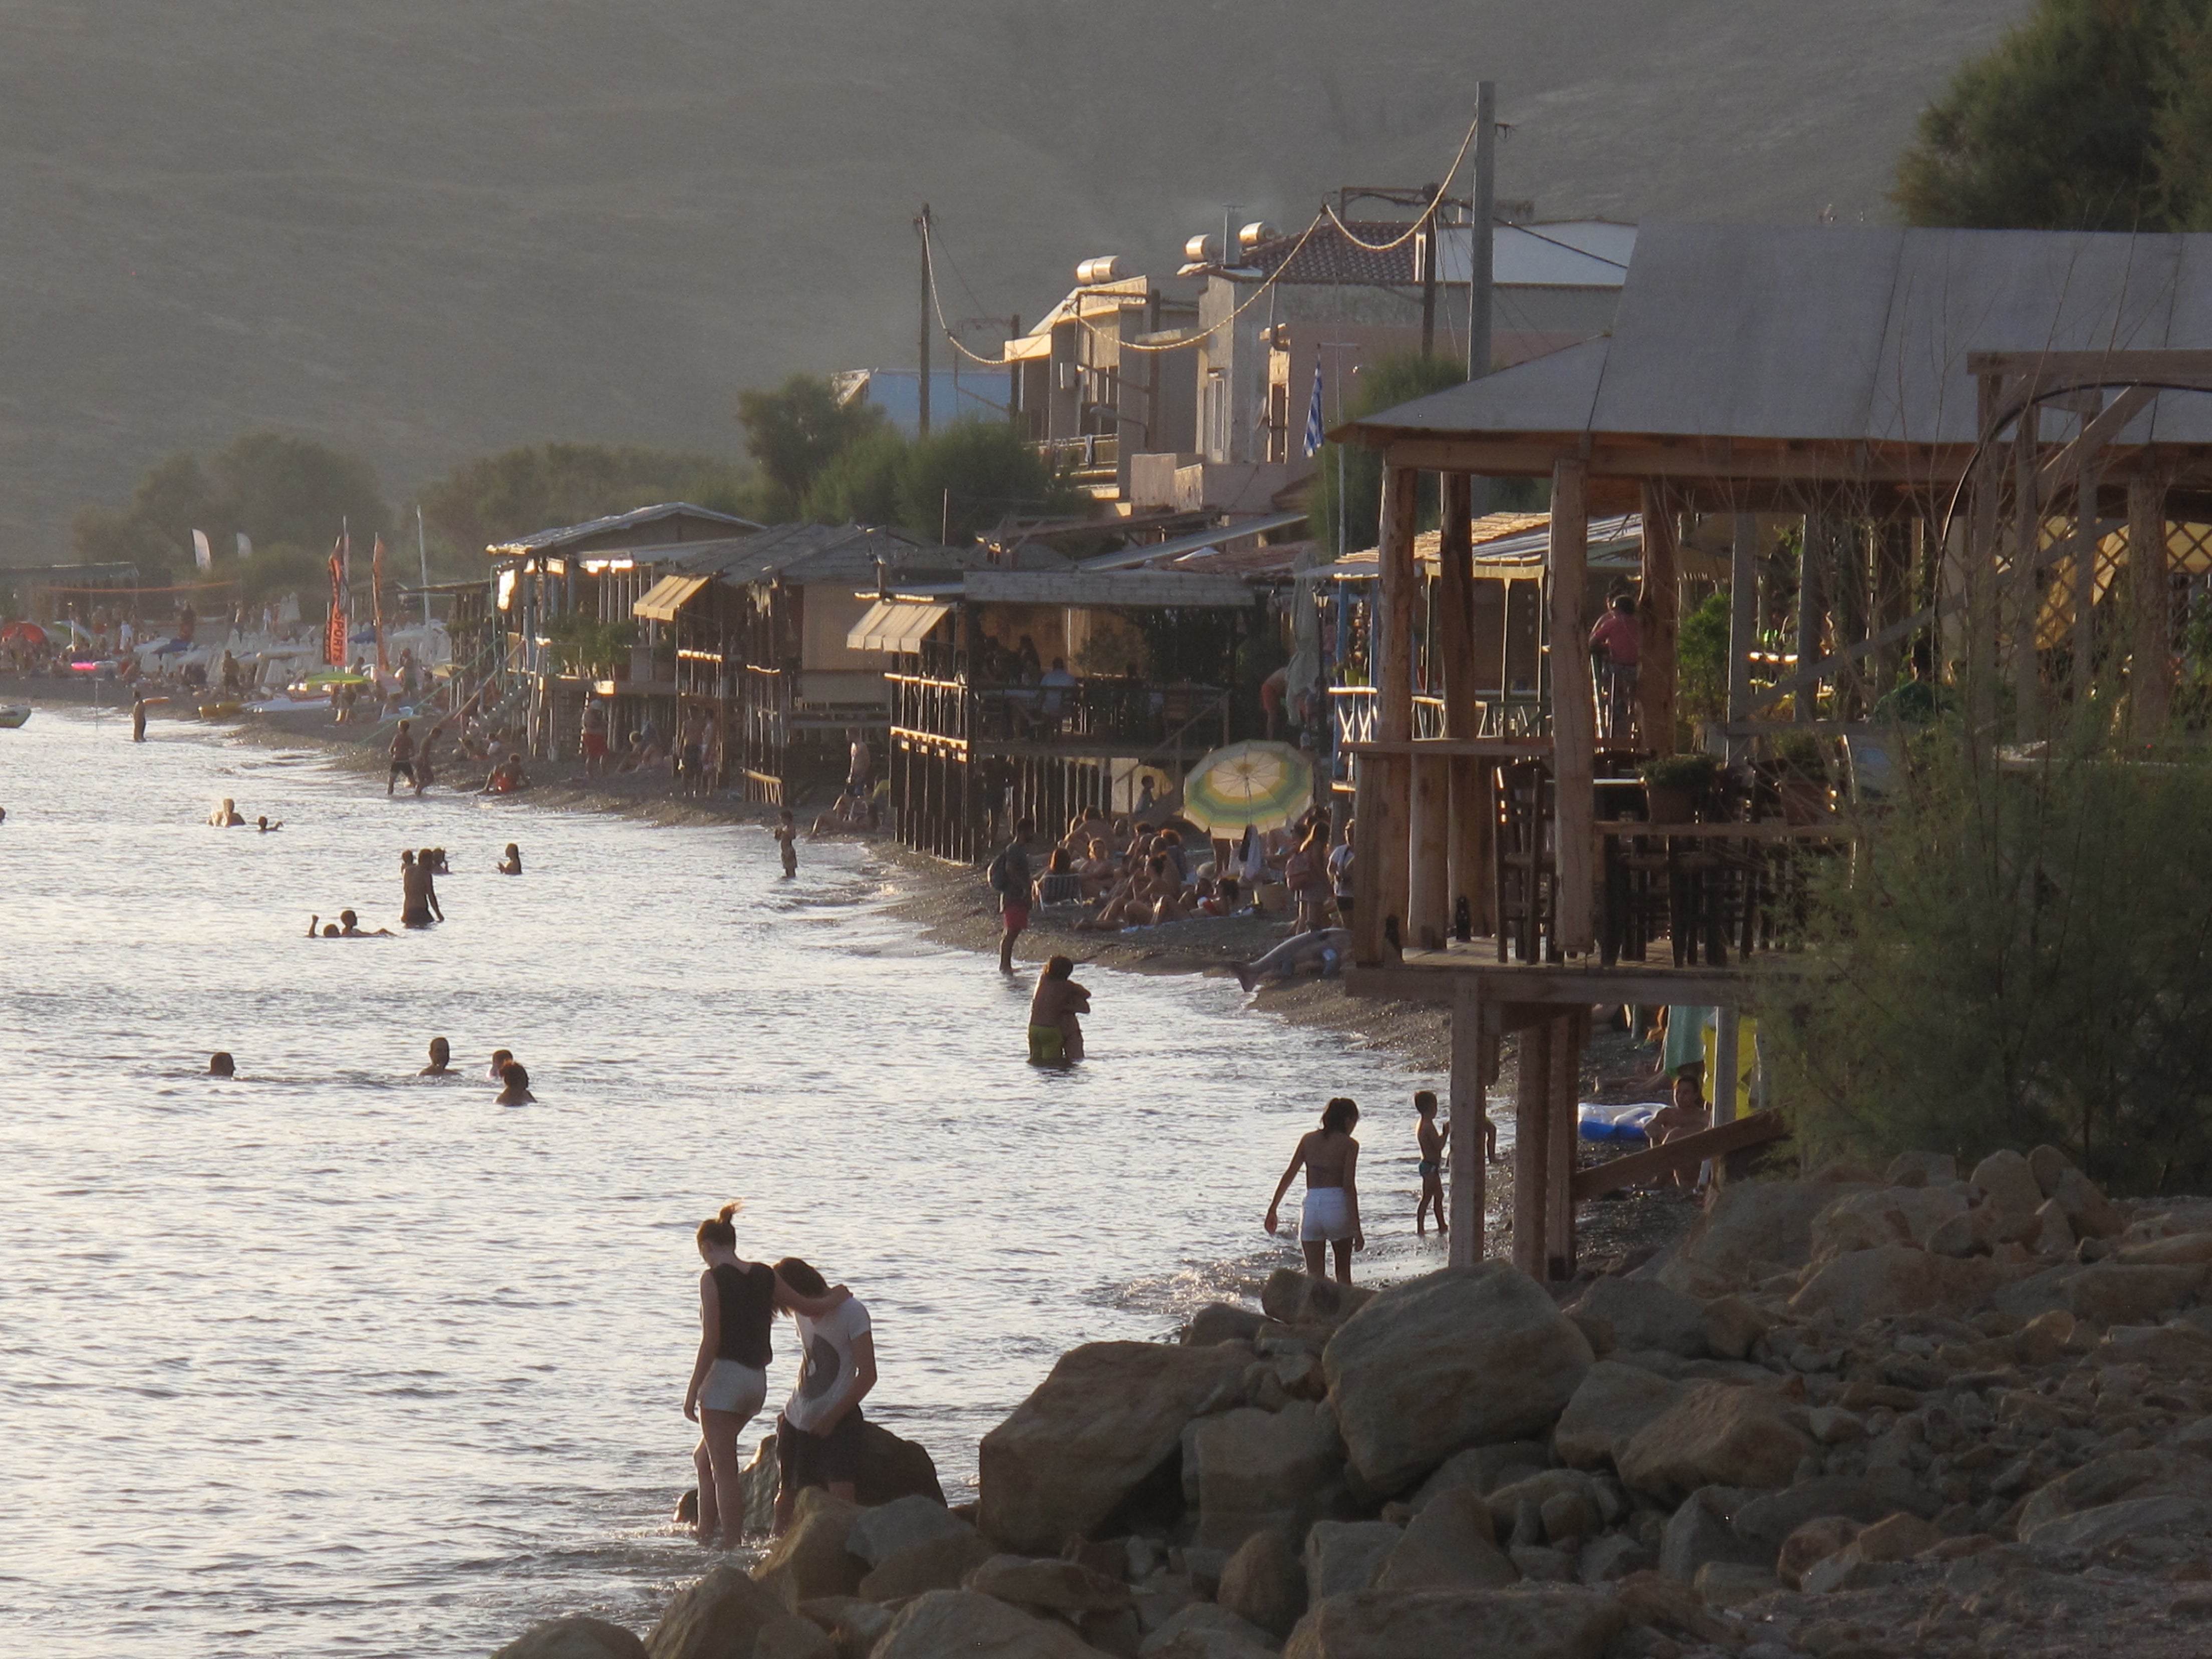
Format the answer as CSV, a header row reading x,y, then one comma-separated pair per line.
x,y
1313,413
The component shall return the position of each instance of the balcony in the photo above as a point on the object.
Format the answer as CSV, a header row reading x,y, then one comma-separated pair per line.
x,y
1095,716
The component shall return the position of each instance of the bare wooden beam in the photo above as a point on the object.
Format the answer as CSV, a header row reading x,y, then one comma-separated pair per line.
x,y
1658,619
2085,572
2150,672
2061,468
1813,550
1685,1155
1428,892
2026,594
1562,1129
1470,1109
1573,735
1389,805
1466,874
1531,1136
1743,621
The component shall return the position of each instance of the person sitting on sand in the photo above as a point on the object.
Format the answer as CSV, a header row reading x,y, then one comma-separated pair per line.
x,y
1096,868
1328,947
517,1092
1059,884
227,815
510,863
1331,1216
1687,1113
219,1064
499,1059
1055,1030
441,1060
506,778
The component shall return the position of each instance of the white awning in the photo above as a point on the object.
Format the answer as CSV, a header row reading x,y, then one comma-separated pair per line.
x,y
895,625
666,597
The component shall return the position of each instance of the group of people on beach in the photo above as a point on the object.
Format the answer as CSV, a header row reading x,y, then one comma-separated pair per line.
x,y
819,1433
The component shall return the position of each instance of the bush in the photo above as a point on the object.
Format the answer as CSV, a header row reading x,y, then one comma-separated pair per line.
x,y
1695,772
2014,954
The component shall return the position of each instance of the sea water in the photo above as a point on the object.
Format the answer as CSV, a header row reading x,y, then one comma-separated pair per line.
x,y
332,1359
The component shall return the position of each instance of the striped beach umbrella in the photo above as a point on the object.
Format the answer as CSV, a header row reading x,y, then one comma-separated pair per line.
x,y
1265,785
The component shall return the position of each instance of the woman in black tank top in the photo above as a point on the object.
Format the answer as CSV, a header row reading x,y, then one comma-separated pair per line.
x,y
737,1304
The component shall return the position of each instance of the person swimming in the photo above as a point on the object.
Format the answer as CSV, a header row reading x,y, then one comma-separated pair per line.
x,y
348,926
499,1059
441,1060
227,815
511,864
219,1064
517,1092
263,824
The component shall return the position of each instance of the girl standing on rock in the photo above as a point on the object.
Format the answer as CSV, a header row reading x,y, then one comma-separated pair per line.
x,y
1331,1215
738,1302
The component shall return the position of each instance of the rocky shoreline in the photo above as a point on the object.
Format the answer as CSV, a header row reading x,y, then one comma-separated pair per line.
x,y
1853,1415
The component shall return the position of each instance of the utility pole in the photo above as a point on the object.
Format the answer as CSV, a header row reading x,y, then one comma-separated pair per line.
x,y
423,552
921,228
1479,276
1428,246
1013,368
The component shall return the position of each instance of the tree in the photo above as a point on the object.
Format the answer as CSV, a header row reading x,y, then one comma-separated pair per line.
x,y
154,532
517,492
964,479
2089,115
860,485
796,431
1384,384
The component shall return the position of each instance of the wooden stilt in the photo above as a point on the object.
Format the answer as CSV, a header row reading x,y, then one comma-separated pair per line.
x,y
1727,1026
2150,672
1428,901
1467,878
1561,1133
1399,586
1370,826
2027,595
1573,735
1811,609
2085,574
1532,1097
1657,615
1743,626
1465,1201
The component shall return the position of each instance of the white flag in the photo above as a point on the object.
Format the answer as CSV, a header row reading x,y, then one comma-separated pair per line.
x,y
203,555
245,545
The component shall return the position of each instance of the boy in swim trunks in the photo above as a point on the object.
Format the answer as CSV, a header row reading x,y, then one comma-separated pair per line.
x,y
786,841
1432,1163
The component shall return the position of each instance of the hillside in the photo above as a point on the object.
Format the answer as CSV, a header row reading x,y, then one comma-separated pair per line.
x,y
426,228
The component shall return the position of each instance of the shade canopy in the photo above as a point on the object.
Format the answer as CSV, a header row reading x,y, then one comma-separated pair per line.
x,y
895,625
666,597
1264,784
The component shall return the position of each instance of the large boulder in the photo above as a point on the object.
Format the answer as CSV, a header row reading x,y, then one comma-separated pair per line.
x,y
962,1625
1698,1535
1896,1279
1484,1468
1453,1359
1223,1321
1342,1556
1096,1433
940,1562
723,1613
795,1637
1768,1519
1609,1408
879,1533
1450,1545
1645,1314
891,1468
1292,1298
2108,1523
1549,1622
1265,1582
2115,1477
2005,1182
810,1560
1718,1434
1252,1469
1887,1215
1204,1631
573,1637
1754,1227
2117,1293
1048,1586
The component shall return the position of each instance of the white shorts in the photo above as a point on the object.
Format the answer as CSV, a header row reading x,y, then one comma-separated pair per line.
x,y
730,1387
1327,1216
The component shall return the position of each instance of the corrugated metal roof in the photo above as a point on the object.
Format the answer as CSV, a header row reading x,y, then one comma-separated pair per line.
x,y
1130,587
807,553
567,535
1835,333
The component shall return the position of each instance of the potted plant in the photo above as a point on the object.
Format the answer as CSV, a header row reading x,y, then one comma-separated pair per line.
x,y
1674,784
1802,784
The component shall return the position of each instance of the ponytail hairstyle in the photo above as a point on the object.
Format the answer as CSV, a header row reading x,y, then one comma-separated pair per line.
x,y
717,1230
1338,1116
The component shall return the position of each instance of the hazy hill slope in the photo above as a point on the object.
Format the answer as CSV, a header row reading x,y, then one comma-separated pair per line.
x,y
431,228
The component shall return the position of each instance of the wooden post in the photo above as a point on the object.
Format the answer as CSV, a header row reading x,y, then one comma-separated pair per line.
x,y
1658,616
1467,876
1561,1130
1743,627
1812,610
2150,675
1393,701
1574,736
1428,893
1470,1109
2084,573
2026,597
1728,1027
1532,1097
1369,817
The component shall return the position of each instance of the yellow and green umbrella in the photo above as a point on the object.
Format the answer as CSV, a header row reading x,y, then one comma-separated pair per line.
x,y
1265,785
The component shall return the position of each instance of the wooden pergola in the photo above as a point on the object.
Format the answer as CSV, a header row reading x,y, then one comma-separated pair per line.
x,y
2012,425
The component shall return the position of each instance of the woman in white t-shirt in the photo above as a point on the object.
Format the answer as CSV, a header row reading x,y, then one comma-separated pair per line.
x,y
818,1433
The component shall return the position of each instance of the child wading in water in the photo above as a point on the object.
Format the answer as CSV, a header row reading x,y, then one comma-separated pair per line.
x,y
1432,1163
787,840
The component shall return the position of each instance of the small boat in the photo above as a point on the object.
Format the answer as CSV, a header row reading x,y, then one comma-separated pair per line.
x,y
13,716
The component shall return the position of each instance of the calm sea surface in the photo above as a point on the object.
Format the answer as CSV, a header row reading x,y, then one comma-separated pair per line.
x,y
331,1360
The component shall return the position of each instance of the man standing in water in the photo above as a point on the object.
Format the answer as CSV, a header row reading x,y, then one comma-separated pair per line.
x,y
817,1435
402,760
1009,876
138,720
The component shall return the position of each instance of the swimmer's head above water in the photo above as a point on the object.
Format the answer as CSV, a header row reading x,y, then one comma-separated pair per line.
x,y
219,1064
499,1059
441,1057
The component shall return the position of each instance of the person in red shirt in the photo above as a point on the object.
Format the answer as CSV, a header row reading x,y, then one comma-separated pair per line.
x,y
1613,644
